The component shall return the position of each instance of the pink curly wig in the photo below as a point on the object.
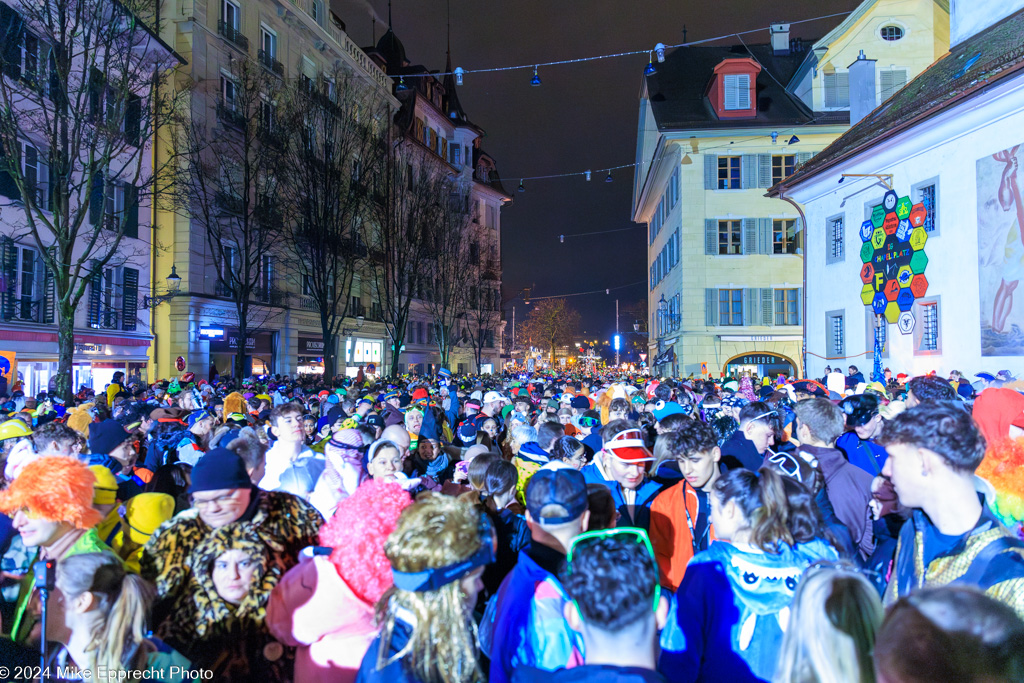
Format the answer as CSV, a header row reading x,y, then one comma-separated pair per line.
x,y
55,488
357,532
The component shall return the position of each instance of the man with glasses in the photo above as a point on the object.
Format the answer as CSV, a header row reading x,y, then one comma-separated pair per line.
x,y
222,494
527,616
617,608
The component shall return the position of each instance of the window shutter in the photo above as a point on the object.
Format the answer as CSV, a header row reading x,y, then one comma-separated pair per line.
x,y
710,172
711,307
748,171
54,89
751,307
8,188
49,293
764,235
767,306
9,262
764,170
130,299
749,235
798,231
11,30
799,305
131,210
837,89
132,120
96,199
804,157
710,237
95,294
38,284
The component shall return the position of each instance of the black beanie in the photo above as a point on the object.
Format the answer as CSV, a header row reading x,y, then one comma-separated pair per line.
x,y
219,469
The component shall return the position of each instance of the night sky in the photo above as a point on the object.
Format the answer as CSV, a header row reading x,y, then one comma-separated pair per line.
x,y
583,116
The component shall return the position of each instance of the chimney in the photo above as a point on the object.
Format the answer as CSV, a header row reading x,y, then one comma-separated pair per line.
x,y
780,38
862,88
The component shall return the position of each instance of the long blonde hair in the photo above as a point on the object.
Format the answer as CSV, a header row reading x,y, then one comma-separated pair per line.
x,y
118,641
434,532
834,618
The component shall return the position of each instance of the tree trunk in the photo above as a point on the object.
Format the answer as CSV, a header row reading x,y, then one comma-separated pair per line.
x,y
65,352
394,358
330,363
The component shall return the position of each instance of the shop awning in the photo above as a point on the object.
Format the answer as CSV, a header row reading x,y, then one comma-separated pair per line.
x,y
25,336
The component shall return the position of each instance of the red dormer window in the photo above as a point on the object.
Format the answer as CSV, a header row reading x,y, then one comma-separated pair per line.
x,y
733,89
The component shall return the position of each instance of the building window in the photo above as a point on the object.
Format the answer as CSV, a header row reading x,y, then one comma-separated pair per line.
x,y
737,91
783,166
836,240
787,302
730,237
835,334
891,33
228,92
891,82
36,176
730,307
26,284
268,42
728,173
837,90
928,319
784,236
230,14
927,193
316,10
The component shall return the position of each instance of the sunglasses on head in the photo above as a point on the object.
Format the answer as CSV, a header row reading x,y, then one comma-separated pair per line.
x,y
639,535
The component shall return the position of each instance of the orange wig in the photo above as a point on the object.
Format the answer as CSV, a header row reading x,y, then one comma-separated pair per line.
x,y
55,488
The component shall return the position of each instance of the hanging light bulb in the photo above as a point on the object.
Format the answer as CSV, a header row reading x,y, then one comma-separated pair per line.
x,y
458,75
686,160
401,84
608,178
561,238
649,70
775,137
659,50
587,174
536,78
793,140
521,188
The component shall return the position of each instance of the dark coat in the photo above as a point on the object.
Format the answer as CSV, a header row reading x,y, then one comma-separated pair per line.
x,y
738,452
849,490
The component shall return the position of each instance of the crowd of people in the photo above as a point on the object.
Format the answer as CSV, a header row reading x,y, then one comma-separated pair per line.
x,y
528,527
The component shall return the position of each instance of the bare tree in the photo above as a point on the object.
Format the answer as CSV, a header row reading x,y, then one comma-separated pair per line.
x,y
338,133
228,181
551,323
82,92
404,204
452,261
483,314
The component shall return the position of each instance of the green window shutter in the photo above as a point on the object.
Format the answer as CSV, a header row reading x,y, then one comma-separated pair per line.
x,y
133,120
96,199
9,262
710,237
767,306
95,294
49,294
131,210
711,307
710,172
749,235
130,299
12,28
8,188
748,171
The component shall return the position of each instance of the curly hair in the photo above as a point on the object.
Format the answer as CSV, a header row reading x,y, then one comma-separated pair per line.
x,y
930,388
357,532
434,532
55,488
942,427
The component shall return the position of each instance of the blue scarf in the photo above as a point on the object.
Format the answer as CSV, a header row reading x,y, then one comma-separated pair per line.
x,y
437,465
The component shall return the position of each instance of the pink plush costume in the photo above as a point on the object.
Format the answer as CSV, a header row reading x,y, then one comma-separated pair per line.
x,y
324,606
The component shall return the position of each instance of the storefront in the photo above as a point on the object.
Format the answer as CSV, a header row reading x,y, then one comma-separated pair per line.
x,y
260,346
360,351
760,364
311,356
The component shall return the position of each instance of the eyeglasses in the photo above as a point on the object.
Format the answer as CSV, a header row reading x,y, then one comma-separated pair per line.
x,y
638,534
221,501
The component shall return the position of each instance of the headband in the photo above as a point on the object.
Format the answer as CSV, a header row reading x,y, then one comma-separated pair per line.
x,y
432,579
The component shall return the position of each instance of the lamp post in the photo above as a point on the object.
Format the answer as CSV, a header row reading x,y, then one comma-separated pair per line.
x,y
347,332
173,285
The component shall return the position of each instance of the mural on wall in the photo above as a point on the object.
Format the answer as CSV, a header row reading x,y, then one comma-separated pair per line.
x,y
1001,253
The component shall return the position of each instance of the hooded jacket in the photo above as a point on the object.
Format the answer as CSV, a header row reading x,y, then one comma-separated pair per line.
x,y
849,490
738,451
393,415
672,513
530,458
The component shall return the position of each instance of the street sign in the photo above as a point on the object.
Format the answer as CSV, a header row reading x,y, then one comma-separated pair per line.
x,y
643,357
906,322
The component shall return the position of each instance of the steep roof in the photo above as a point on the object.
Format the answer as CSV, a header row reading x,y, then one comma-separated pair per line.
x,y
969,68
391,48
677,90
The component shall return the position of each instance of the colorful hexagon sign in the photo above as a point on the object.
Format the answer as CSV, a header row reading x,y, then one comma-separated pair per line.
x,y
918,238
905,300
917,215
879,303
877,216
903,207
918,262
866,228
906,322
904,276
903,230
890,223
867,273
892,312
919,286
867,250
889,201
867,293
892,290
878,238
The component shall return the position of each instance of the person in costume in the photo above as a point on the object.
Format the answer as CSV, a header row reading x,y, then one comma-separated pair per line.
x,y
437,552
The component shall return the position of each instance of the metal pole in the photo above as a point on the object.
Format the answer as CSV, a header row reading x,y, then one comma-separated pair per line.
x,y
616,333
876,374
511,352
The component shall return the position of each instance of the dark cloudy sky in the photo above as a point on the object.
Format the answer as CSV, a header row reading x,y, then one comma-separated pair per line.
x,y
583,116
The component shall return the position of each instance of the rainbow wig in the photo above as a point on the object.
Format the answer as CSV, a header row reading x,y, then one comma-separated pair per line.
x,y
1003,467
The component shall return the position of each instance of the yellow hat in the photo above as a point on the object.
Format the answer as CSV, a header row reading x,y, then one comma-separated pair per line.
x,y
104,491
145,512
14,429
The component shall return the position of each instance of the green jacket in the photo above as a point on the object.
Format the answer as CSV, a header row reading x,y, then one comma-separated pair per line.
x,y
88,543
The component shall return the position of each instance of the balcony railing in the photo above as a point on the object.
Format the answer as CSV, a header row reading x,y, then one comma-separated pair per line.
x,y
107,320
27,310
227,114
270,63
233,35
229,203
